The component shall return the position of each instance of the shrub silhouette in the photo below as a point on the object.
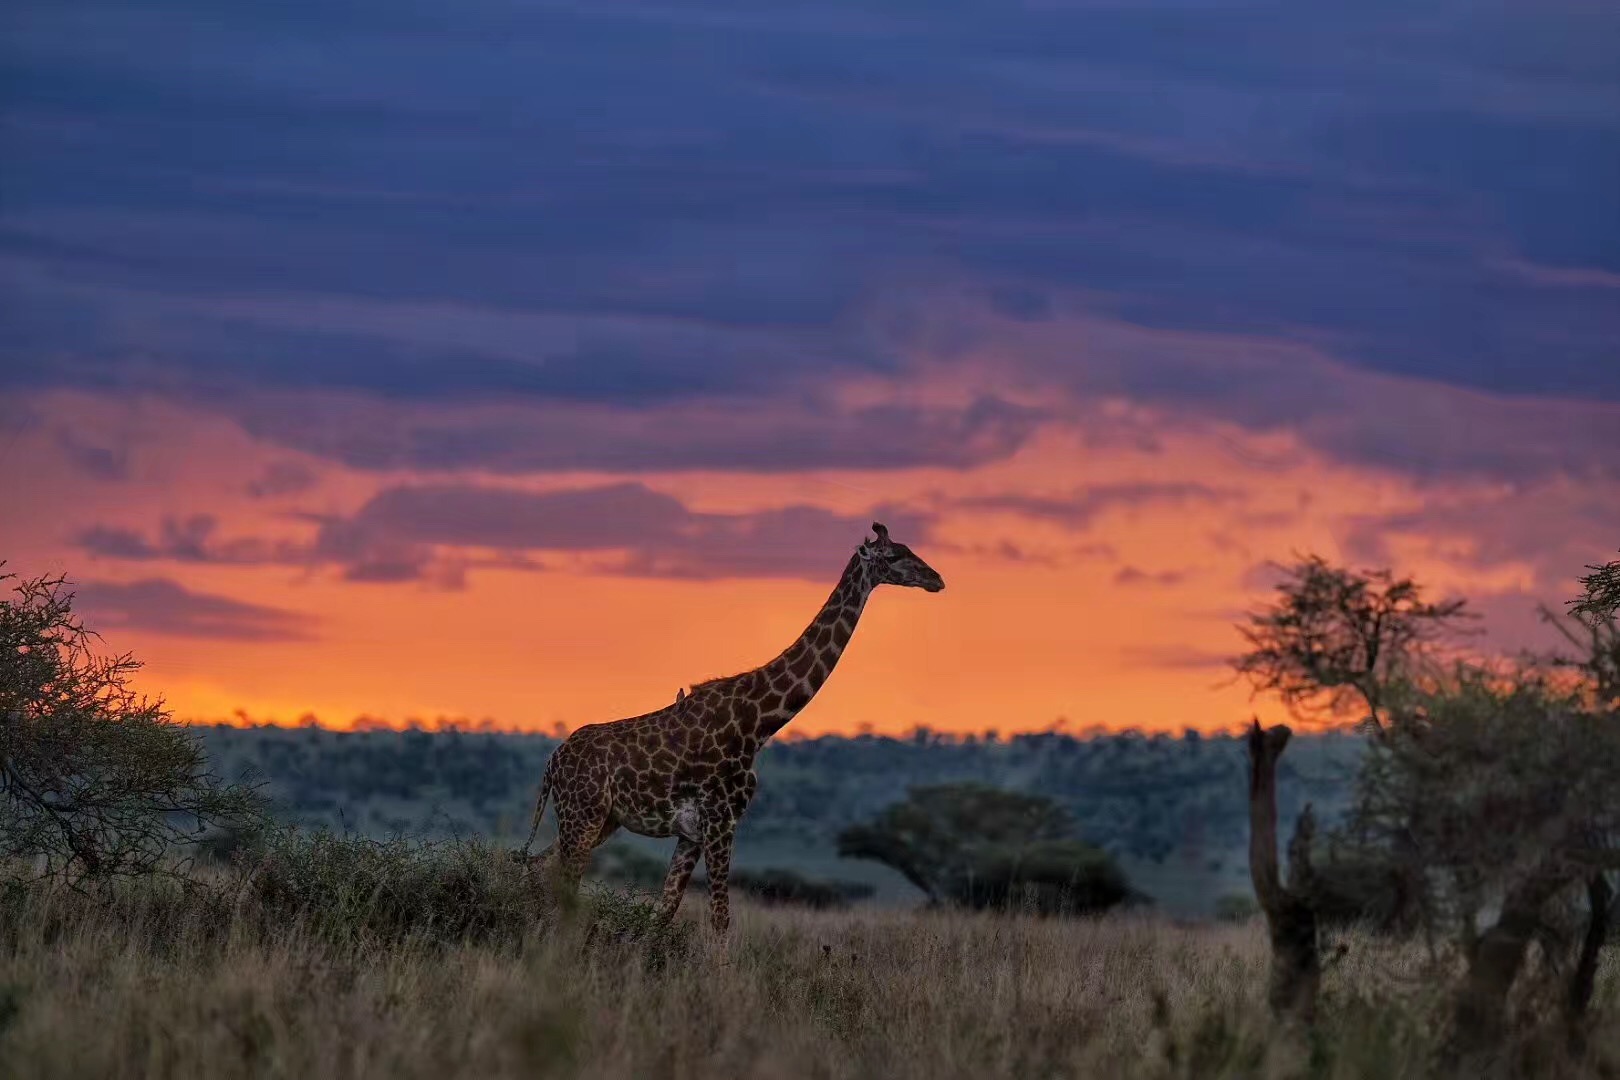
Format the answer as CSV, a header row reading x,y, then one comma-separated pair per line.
x,y
95,780
976,846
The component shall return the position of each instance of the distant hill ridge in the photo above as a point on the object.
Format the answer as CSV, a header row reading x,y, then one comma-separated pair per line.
x,y
1146,797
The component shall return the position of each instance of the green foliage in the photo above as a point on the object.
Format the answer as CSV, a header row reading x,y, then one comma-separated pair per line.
x,y
1334,638
95,780
977,846
1492,776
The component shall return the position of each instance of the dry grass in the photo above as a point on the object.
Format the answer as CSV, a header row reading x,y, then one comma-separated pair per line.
x,y
218,985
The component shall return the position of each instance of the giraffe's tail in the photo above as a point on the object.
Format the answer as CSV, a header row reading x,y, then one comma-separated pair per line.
x,y
539,809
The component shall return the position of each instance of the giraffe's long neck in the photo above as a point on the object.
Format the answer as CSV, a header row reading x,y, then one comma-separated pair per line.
x,y
786,684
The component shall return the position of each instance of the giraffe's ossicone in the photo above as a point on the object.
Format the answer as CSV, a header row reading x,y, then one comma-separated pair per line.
x,y
687,770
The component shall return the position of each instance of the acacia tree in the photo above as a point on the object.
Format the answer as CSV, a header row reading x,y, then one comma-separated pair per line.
x,y
1335,642
1336,639
96,780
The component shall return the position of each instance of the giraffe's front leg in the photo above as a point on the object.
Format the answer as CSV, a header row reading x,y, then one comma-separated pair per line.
x,y
680,872
717,841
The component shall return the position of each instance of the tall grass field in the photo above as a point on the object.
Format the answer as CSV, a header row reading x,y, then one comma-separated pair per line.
x,y
321,957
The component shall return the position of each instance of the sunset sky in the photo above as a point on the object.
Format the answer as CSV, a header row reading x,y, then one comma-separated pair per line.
x,y
527,361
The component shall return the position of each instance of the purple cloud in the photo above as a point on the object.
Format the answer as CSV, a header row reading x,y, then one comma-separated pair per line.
x,y
161,606
634,529
437,532
193,539
722,434
101,462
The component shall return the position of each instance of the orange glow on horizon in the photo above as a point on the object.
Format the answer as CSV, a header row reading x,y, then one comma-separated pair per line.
x,y
1115,620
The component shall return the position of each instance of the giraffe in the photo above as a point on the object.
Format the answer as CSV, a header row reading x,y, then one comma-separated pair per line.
x,y
687,770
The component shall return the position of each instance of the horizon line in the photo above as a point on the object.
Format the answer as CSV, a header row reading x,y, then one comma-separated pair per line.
x,y
369,724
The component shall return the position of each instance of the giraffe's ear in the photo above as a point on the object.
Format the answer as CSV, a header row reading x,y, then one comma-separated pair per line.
x,y
882,532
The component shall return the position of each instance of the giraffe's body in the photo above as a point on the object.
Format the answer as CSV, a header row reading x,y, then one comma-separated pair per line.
x,y
687,770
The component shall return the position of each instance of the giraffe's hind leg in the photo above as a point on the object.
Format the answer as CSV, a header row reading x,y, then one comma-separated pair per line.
x,y
680,872
580,827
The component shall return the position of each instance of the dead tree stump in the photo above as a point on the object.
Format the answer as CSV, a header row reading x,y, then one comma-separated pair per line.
x,y
1296,964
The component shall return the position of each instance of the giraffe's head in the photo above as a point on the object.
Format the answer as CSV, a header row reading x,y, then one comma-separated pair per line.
x,y
895,564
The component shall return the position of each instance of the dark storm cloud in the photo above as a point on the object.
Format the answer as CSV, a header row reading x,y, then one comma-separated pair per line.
x,y
630,205
437,532
161,606
749,434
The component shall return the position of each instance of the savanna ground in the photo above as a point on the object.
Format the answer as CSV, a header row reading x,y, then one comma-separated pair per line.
x,y
375,962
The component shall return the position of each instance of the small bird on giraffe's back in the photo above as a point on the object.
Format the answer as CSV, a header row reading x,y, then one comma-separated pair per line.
x,y
687,770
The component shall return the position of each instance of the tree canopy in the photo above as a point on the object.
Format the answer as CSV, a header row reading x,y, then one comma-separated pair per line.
x,y
1601,600
1336,639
